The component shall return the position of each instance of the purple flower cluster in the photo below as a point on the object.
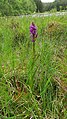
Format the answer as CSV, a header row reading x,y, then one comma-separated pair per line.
x,y
33,28
33,31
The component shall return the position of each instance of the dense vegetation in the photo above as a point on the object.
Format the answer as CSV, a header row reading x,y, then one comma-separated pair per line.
x,y
33,88
57,5
16,7
19,7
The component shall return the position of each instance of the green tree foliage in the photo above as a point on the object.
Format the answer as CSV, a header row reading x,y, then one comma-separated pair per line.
x,y
28,6
16,7
19,7
61,4
39,5
48,6
58,4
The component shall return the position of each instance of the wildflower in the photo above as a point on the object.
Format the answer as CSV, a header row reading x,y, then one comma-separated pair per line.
x,y
33,31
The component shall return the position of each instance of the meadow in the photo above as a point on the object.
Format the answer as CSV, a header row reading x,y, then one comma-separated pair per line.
x,y
33,88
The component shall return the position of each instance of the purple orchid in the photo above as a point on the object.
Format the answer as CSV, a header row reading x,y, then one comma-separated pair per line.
x,y
33,31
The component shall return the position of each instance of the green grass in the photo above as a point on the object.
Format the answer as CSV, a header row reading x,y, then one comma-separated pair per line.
x,y
33,88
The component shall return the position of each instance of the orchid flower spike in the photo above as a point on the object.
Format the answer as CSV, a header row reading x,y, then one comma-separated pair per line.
x,y
33,31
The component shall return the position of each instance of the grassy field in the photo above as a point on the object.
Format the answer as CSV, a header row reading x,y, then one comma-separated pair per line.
x,y
33,88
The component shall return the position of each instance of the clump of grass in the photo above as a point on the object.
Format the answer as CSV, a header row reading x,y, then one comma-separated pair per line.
x,y
54,30
19,35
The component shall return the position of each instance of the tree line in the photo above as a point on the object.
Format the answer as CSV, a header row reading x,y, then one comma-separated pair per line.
x,y
57,5
19,7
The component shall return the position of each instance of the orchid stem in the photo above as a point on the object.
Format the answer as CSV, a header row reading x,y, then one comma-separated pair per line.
x,y
33,50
